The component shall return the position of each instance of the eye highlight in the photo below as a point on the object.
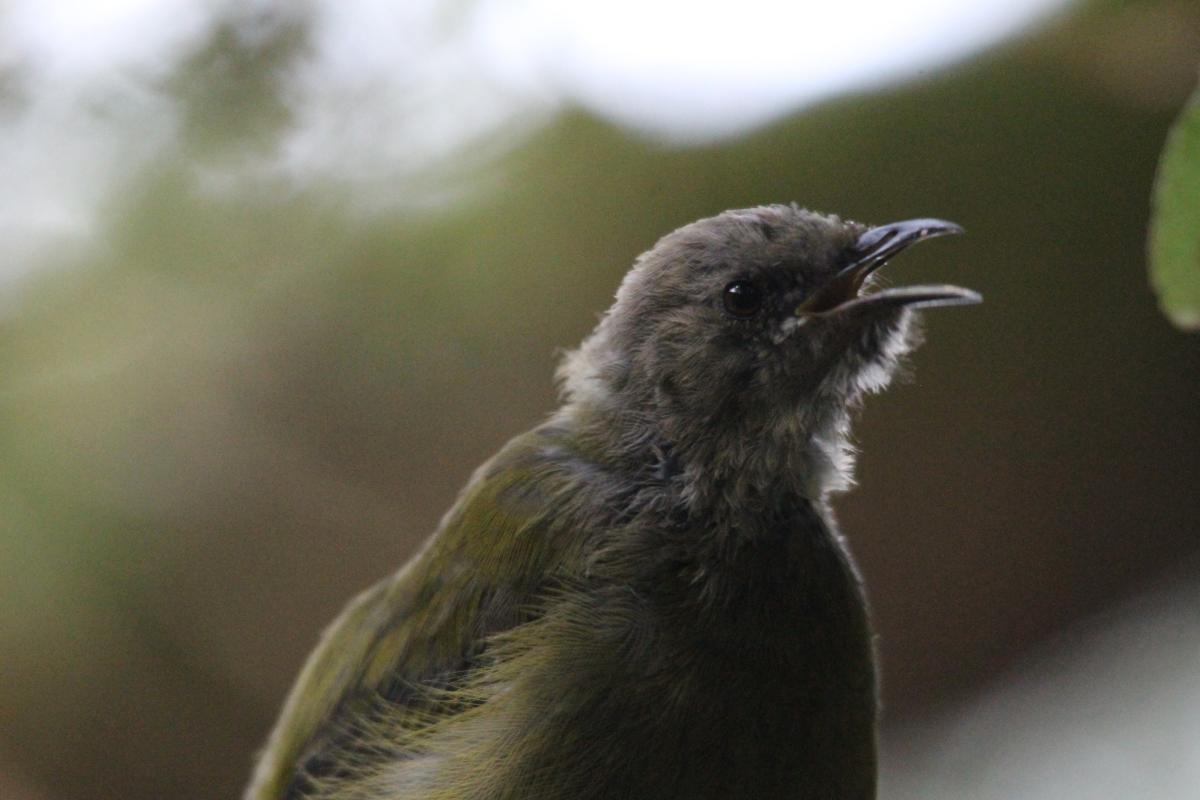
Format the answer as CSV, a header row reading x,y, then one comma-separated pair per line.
x,y
742,299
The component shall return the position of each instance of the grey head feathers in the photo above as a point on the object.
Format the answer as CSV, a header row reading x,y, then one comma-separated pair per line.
x,y
747,403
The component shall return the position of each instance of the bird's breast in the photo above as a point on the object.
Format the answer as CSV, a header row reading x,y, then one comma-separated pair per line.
x,y
748,676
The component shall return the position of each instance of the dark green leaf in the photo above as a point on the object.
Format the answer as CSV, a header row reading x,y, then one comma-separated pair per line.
x,y
1175,222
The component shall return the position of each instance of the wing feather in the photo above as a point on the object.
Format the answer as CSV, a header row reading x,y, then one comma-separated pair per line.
x,y
401,642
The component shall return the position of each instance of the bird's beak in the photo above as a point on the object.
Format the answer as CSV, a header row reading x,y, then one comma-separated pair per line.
x,y
871,251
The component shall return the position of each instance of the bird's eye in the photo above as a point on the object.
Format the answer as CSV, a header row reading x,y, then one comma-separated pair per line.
x,y
743,299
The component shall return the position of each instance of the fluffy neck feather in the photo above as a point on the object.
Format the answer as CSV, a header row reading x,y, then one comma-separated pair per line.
x,y
743,457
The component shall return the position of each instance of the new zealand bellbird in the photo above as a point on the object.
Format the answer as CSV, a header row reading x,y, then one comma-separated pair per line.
x,y
646,597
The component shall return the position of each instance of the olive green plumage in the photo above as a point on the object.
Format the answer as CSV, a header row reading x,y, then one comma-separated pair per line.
x,y
644,597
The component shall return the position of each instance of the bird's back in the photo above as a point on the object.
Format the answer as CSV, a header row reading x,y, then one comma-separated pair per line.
x,y
400,660
487,669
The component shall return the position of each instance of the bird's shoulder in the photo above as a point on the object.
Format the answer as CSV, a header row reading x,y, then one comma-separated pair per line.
x,y
509,537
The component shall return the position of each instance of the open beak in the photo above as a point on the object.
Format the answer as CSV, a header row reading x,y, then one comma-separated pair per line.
x,y
872,251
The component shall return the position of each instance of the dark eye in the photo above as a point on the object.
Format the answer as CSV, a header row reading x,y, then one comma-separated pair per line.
x,y
743,299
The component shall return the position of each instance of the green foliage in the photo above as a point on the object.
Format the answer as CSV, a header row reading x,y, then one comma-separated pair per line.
x,y
1175,222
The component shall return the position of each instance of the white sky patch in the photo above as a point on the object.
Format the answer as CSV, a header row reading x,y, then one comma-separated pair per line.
x,y
68,39
390,90
387,90
693,70
86,117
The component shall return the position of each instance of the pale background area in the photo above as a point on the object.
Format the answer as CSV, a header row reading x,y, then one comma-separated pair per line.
x,y
275,276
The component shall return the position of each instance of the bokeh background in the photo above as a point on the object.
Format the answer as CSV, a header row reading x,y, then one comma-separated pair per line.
x,y
275,276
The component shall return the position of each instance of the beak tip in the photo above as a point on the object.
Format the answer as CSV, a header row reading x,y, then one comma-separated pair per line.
x,y
928,296
880,243
916,297
938,227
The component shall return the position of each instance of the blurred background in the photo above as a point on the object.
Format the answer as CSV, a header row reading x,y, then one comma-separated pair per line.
x,y
275,276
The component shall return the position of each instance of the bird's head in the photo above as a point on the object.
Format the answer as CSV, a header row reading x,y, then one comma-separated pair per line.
x,y
753,328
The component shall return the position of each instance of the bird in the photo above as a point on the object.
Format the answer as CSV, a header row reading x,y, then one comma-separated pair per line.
x,y
646,596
